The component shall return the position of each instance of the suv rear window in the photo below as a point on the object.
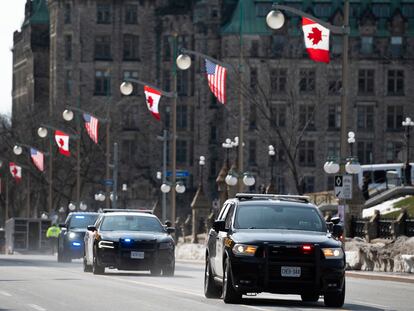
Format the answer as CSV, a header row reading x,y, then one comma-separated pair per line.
x,y
266,216
82,221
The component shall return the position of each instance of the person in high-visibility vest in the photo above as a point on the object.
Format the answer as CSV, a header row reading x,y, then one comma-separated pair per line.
x,y
52,234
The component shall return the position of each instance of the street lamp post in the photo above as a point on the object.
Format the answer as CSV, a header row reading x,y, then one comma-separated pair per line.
x,y
272,153
407,123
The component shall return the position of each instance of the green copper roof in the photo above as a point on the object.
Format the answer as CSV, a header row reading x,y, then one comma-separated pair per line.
x,y
39,14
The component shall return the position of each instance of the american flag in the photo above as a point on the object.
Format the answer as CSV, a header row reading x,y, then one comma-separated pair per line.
x,y
38,159
91,125
216,76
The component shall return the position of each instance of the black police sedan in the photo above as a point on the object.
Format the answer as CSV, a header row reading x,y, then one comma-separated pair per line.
x,y
70,241
129,240
277,244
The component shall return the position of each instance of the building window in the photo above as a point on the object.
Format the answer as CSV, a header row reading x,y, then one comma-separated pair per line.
x,y
166,80
365,152
253,79
182,117
181,151
131,14
131,47
129,150
334,83
278,45
366,81
166,48
308,184
307,117
68,47
102,47
395,117
394,152
365,117
395,82
337,43
334,117
396,46
307,81
252,152
103,14
102,83
254,49
130,118
182,82
278,115
69,83
381,10
278,79
133,75
307,153
333,148
67,14
367,45
253,117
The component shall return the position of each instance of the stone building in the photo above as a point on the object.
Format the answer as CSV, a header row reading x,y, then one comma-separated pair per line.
x,y
94,44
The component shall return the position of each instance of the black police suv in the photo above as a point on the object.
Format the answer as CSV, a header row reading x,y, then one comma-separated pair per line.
x,y
70,241
276,244
129,240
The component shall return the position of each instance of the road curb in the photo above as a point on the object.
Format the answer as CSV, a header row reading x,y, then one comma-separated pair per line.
x,y
382,277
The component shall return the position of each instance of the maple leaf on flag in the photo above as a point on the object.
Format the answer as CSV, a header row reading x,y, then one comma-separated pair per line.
x,y
61,142
14,171
315,35
150,101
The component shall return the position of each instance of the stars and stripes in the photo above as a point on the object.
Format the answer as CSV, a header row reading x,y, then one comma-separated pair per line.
x,y
91,125
216,76
37,158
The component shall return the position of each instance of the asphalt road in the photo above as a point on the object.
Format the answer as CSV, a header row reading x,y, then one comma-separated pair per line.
x,y
29,282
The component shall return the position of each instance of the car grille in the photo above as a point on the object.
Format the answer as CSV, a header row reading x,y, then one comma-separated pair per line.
x,y
138,245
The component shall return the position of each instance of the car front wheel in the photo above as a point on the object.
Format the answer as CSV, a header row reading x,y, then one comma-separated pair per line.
x,y
335,299
86,267
168,270
211,290
230,295
96,268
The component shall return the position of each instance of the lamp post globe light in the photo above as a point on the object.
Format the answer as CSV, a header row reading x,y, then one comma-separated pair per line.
x,y
67,115
179,187
42,132
71,206
183,61
275,19
165,188
17,150
126,88
83,206
407,123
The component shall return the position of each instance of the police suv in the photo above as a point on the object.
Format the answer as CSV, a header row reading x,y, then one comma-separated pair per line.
x,y
277,244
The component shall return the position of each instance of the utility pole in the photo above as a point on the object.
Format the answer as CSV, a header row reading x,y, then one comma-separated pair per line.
x,y
115,173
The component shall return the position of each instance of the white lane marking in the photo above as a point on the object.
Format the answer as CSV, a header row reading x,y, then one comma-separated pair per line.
x,y
369,304
36,307
5,294
177,290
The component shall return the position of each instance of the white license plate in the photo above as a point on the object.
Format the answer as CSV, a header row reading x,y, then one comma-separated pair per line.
x,y
290,272
137,255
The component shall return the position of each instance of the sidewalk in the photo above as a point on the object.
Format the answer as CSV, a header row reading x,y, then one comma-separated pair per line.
x,y
384,276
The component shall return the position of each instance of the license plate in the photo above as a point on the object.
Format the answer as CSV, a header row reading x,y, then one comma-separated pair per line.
x,y
137,255
290,272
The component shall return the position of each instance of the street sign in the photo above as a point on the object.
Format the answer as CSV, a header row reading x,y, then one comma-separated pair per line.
x,y
343,186
179,173
108,182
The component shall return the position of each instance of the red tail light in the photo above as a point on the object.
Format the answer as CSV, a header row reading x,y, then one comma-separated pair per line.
x,y
307,249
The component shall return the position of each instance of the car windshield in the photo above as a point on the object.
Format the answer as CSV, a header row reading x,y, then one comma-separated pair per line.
x,y
266,216
131,223
82,221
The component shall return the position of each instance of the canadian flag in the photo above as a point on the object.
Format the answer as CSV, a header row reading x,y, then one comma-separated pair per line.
x,y
316,40
16,171
153,98
62,140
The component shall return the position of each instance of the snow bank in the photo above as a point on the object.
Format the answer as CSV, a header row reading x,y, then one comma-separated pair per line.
x,y
190,251
384,208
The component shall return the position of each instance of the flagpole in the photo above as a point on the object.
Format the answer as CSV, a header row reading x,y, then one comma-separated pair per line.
x,y
78,156
6,213
241,106
174,134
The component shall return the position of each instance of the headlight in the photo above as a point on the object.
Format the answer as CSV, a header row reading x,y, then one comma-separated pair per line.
x,y
166,245
244,250
72,235
333,253
106,244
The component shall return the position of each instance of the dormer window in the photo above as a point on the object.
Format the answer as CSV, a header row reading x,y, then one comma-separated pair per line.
x,y
367,45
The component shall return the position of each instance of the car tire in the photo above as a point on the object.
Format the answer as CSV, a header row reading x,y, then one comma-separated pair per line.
x,y
335,299
310,297
96,268
86,267
155,270
169,270
230,295
211,290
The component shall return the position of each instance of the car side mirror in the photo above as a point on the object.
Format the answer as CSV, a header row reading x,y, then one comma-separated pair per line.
x,y
170,230
337,230
219,225
91,228
335,220
62,226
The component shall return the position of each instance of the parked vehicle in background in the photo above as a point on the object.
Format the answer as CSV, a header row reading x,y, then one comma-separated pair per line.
x,y
70,241
276,244
129,240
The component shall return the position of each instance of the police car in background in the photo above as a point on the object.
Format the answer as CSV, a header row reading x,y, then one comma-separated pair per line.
x,y
274,243
129,240
70,241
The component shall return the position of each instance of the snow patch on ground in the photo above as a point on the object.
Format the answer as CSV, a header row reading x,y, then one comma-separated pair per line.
x,y
384,208
190,251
